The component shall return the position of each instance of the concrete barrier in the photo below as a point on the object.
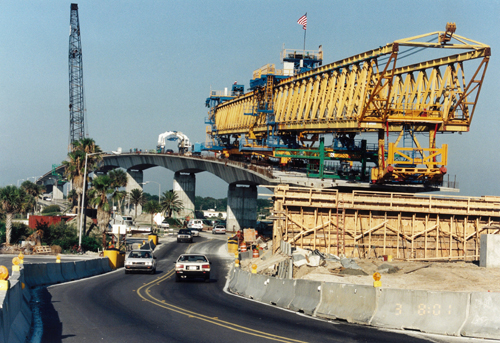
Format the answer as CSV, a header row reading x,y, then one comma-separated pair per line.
x,y
256,287
36,274
307,296
233,279
81,269
93,267
15,316
68,271
353,303
242,282
54,273
484,316
279,292
431,312
105,264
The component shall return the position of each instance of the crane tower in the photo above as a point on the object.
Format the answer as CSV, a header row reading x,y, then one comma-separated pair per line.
x,y
76,99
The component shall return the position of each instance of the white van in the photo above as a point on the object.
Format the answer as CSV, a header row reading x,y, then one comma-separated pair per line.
x,y
195,225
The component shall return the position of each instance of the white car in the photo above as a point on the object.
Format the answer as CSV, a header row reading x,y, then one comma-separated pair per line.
x,y
192,266
164,224
219,229
140,260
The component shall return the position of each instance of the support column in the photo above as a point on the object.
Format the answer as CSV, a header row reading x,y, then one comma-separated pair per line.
x,y
241,207
134,180
185,186
57,192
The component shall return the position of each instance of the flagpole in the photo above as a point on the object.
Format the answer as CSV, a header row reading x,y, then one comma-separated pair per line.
x,y
305,31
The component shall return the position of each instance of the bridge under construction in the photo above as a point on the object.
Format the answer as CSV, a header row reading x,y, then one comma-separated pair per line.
x,y
382,116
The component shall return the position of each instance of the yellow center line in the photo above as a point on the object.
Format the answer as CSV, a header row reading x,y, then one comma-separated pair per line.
x,y
146,296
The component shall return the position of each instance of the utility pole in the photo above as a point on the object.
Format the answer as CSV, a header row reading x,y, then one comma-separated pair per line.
x,y
76,99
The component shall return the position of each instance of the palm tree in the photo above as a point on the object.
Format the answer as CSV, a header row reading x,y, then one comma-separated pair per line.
x,y
170,203
73,198
118,180
98,195
152,207
119,196
12,201
137,198
75,164
34,191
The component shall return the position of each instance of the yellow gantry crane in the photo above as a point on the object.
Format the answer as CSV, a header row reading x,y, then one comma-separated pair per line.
x,y
367,93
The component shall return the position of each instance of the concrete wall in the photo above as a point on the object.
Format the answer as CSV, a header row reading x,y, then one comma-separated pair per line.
x,y
468,314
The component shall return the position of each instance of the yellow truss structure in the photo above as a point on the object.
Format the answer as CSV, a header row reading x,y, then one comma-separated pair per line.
x,y
363,93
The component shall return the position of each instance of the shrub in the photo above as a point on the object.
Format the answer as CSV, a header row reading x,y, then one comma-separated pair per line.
x,y
19,232
52,209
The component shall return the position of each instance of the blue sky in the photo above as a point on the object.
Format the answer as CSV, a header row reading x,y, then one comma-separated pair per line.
x,y
149,66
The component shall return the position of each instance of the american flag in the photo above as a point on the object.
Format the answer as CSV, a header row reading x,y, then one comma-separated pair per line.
x,y
303,21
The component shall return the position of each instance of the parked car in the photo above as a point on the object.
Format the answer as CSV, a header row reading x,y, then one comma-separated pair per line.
x,y
184,235
164,224
192,266
219,229
140,260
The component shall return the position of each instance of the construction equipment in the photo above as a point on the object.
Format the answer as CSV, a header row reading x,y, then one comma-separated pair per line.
x,y
183,141
76,99
371,95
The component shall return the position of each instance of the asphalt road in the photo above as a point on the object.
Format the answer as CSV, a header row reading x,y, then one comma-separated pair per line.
x,y
153,308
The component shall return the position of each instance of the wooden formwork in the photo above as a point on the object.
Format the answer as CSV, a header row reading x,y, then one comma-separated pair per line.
x,y
370,224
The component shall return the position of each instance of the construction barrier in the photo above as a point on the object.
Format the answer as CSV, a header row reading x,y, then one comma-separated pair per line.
x,y
68,271
81,269
116,259
353,303
242,282
15,317
307,296
36,274
154,238
426,311
446,313
233,279
54,273
232,245
279,292
256,287
483,320
105,264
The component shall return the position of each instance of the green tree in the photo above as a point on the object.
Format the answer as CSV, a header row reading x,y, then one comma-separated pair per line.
x,y
152,207
74,166
73,198
33,190
12,201
137,198
118,180
98,195
170,203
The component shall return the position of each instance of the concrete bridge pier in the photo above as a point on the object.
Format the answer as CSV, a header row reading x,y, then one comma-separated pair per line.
x,y
135,178
241,207
185,186
53,187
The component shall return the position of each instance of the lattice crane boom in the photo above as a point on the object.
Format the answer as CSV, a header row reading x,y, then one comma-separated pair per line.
x,y
76,98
